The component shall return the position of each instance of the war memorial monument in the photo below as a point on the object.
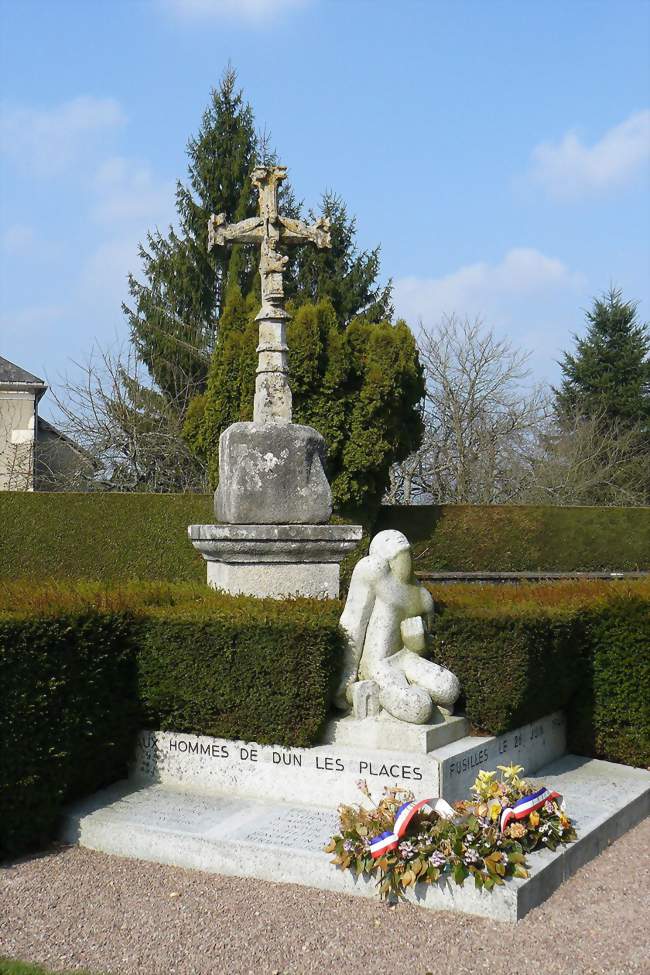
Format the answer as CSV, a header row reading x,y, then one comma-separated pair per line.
x,y
245,809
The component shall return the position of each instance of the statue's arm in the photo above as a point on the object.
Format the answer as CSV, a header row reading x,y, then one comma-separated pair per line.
x,y
427,607
354,622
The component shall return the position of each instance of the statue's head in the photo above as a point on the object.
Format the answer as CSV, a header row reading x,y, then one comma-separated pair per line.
x,y
393,547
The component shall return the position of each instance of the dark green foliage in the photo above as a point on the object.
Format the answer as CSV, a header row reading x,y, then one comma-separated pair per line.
x,y
608,376
241,668
107,537
77,684
231,380
81,667
68,717
340,274
117,537
520,538
360,385
174,314
524,651
512,668
610,716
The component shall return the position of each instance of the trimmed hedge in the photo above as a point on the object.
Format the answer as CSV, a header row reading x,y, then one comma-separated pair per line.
x,y
512,538
107,537
82,670
259,670
610,713
523,651
68,715
82,667
512,669
117,537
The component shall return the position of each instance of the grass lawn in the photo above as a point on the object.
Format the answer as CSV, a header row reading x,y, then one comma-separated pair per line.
x,y
10,966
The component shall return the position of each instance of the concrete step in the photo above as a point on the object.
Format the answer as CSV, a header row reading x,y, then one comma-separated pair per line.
x,y
283,842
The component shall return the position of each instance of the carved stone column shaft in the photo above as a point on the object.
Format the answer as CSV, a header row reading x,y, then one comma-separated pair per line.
x,y
272,402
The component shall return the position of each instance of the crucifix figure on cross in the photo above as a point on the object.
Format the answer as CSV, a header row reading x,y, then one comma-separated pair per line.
x,y
270,230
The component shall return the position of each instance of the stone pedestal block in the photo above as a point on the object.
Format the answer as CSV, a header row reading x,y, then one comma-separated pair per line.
x,y
276,561
272,473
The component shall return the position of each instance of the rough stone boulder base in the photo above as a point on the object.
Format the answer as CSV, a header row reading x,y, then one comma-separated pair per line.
x,y
272,474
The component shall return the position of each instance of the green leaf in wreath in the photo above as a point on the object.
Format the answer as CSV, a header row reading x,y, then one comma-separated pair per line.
x,y
460,873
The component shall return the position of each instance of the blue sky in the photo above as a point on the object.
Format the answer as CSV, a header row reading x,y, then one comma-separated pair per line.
x,y
498,151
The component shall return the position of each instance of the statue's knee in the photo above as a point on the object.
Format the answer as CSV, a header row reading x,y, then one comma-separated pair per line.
x,y
408,703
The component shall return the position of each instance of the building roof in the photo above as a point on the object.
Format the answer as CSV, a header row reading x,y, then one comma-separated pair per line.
x,y
11,373
47,427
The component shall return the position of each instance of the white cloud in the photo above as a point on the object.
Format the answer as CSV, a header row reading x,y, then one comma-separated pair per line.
x,y
129,194
528,297
570,169
482,289
250,11
48,140
18,240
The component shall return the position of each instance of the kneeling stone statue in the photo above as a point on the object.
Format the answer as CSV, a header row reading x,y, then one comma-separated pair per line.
x,y
385,618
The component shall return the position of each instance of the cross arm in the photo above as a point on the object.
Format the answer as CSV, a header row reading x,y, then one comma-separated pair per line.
x,y
248,231
297,232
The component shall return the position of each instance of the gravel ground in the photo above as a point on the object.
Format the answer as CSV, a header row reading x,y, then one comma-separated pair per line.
x,y
73,908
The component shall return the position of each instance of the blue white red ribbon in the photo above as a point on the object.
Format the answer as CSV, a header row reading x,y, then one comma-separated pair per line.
x,y
389,840
527,805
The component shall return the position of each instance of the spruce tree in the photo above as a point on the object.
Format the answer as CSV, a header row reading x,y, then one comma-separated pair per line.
x,y
174,314
340,273
355,376
608,376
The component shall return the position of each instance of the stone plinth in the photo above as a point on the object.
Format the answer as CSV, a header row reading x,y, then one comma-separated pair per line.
x,y
276,561
385,732
272,473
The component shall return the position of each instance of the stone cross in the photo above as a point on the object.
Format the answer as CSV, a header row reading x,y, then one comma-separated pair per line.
x,y
270,230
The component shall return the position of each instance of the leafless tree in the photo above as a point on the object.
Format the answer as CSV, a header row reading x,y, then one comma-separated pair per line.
x,y
585,461
481,419
133,432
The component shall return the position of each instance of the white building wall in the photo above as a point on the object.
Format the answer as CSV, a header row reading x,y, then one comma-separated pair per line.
x,y
17,438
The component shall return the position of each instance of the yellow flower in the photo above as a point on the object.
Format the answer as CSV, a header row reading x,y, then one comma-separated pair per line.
x,y
516,831
564,821
494,809
510,771
533,819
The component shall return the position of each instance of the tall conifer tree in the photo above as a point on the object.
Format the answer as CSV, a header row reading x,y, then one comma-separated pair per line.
x,y
340,274
355,375
608,376
174,314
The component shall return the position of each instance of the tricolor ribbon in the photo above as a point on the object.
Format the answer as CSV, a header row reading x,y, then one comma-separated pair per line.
x,y
527,805
389,840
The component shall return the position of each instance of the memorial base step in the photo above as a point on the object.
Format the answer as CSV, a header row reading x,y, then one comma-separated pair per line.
x,y
283,842
328,774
